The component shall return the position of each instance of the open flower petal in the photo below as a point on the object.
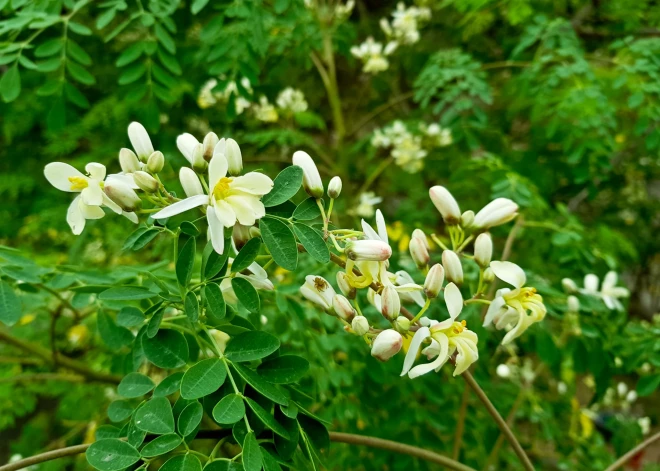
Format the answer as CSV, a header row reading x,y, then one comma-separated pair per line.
x,y
225,213
454,300
422,334
254,183
440,360
509,272
58,174
216,232
217,169
181,206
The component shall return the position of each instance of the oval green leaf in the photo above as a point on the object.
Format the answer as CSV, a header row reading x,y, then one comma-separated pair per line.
x,y
229,410
285,186
252,345
169,385
307,210
135,385
251,453
283,369
161,445
267,418
190,418
204,378
111,454
246,293
155,416
186,462
280,241
126,293
185,262
260,385
247,255
167,349
216,308
313,242
191,306
10,305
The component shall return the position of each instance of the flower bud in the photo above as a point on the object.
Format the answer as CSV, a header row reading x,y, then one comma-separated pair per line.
x,y
343,308
503,371
140,141
483,250
128,161
311,178
419,234
390,303
156,162
631,396
209,143
360,325
374,250
402,324
123,195
419,252
190,182
573,304
489,275
255,232
240,235
145,181
452,266
334,188
433,282
497,212
446,204
220,338
345,285
467,218
199,165
569,285
234,157
386,345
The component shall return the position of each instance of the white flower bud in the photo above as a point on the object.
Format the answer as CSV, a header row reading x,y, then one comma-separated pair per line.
x,y
140,141
145,181
631,396
311,178
562,388
483,250
128,161
503,371
343,308
467,218
345,285
190,182
452,266
374,250
446,204
209,143
317,290
334,188
402,324
234,157
360,325
622,389
419,252
497,212
386,345
156,162
569,285
240,236
390,303
122,194
433,282
199,165
489,275
419,234
573,304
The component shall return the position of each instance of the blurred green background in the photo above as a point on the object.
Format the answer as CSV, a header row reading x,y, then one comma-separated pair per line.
x,y
555,105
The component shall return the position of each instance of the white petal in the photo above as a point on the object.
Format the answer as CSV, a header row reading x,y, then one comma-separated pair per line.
x,y
181,206
140,140
258,270
454,300
217,169
254,183
225,213
186,144
382,228
58,173
610,302
609,281
125,179
131,217
466,355
247,208
92,195
75,217
107,202
421,334
591,283
369,231
90,212
440,360
95,170
216,231
493,310
518,330
509,272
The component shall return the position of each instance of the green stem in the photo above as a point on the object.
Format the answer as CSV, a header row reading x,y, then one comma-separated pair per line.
x,y
421,312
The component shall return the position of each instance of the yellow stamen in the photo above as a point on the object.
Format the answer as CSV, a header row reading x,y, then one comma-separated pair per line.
x,y
78,183
459,327
221,189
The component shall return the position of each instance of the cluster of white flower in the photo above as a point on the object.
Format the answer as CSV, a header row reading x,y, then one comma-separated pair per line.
x,y
367,266
404,27
340,13
366,206
289,101
402,30
407,149
609,292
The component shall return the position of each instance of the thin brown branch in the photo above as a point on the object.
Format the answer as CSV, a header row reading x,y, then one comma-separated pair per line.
x,y
628,456
63,361
500,439
460,426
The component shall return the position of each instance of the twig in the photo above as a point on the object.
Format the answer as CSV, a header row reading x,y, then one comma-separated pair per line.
x,y
334,436
44,377
500,439
628,456
460,426
63,361
469,379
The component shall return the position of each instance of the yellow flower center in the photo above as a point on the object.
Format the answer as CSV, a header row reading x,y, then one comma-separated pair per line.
x,y
78,183
221,189
459,327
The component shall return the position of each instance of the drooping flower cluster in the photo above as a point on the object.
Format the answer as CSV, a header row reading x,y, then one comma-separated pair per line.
x,y
407,149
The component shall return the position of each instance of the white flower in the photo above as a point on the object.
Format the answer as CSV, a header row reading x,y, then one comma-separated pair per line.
x,y
408,290
434,280
369,231
291,100
366,203
483,249
609,292
140,141
311,178
372,56
264,111
503,371
317,290
190,182
445,203
88,204
334,187
452,265
644,424
408,153
446,338
405,23
368,250
343,308
509,308
497,212
360,325
562,388
232,200
206,97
